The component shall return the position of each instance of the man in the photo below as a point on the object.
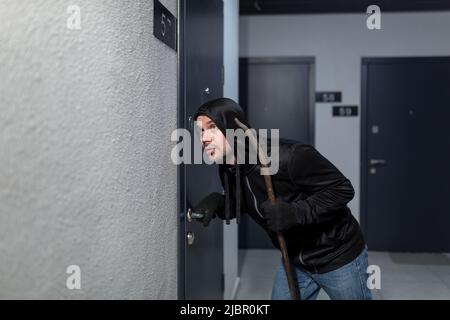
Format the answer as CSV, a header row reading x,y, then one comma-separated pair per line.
x,y
324,241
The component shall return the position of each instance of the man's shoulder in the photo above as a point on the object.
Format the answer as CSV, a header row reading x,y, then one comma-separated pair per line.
x,y
289,150
294,152
290,145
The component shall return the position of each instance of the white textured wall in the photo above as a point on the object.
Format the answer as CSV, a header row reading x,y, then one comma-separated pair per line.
x,y
338,41
85,176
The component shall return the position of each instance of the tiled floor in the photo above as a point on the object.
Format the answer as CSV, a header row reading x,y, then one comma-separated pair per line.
x,y
403,275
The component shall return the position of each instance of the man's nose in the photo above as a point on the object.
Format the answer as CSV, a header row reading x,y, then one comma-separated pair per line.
x,y
206,137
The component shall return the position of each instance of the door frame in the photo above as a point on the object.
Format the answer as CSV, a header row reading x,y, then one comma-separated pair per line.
x,y
365,62
181,169
182,122
311,60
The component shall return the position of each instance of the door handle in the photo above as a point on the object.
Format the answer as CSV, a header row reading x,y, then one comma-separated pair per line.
x,y
374,162
193,215
190,237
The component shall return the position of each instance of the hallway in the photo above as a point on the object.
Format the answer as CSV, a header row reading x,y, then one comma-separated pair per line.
x,y
410,276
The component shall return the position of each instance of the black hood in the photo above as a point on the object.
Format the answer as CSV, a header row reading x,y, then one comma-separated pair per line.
x,y
223,111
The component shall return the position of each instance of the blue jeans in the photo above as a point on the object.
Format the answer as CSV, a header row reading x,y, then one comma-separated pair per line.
x,y
349,282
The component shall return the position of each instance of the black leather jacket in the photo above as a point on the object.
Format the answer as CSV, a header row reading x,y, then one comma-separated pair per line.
x,y
329,236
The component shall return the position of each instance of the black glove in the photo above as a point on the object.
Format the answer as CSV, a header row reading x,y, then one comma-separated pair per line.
x,y
280,216
210,206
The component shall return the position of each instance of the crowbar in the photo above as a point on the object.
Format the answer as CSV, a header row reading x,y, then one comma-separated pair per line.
x,y
271,195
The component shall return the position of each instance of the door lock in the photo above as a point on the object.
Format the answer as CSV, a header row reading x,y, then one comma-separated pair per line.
x,y
190,237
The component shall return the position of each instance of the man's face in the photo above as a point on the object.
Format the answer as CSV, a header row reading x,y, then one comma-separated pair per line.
x,y
213,141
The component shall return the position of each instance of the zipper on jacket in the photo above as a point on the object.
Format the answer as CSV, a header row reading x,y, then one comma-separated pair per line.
x,y
256,207
306,264
302,261
300,258
254,198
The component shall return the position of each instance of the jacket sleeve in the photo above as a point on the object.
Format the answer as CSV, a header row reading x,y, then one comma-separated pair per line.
x,y
327,189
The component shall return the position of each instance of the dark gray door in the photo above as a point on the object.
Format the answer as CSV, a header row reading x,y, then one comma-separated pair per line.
x,y
406,154
277,93
201,78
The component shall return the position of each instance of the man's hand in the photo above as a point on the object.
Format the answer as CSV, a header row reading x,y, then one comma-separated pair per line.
x,y
280,216
210,206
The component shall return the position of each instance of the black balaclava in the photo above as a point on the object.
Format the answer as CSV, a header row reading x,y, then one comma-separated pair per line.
x,y
223,111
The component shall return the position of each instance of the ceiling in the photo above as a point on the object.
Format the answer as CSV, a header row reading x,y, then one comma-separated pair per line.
x,y
337,6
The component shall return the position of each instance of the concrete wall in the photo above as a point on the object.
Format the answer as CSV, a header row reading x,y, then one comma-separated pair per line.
x,y
85,172
230,90
338,41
